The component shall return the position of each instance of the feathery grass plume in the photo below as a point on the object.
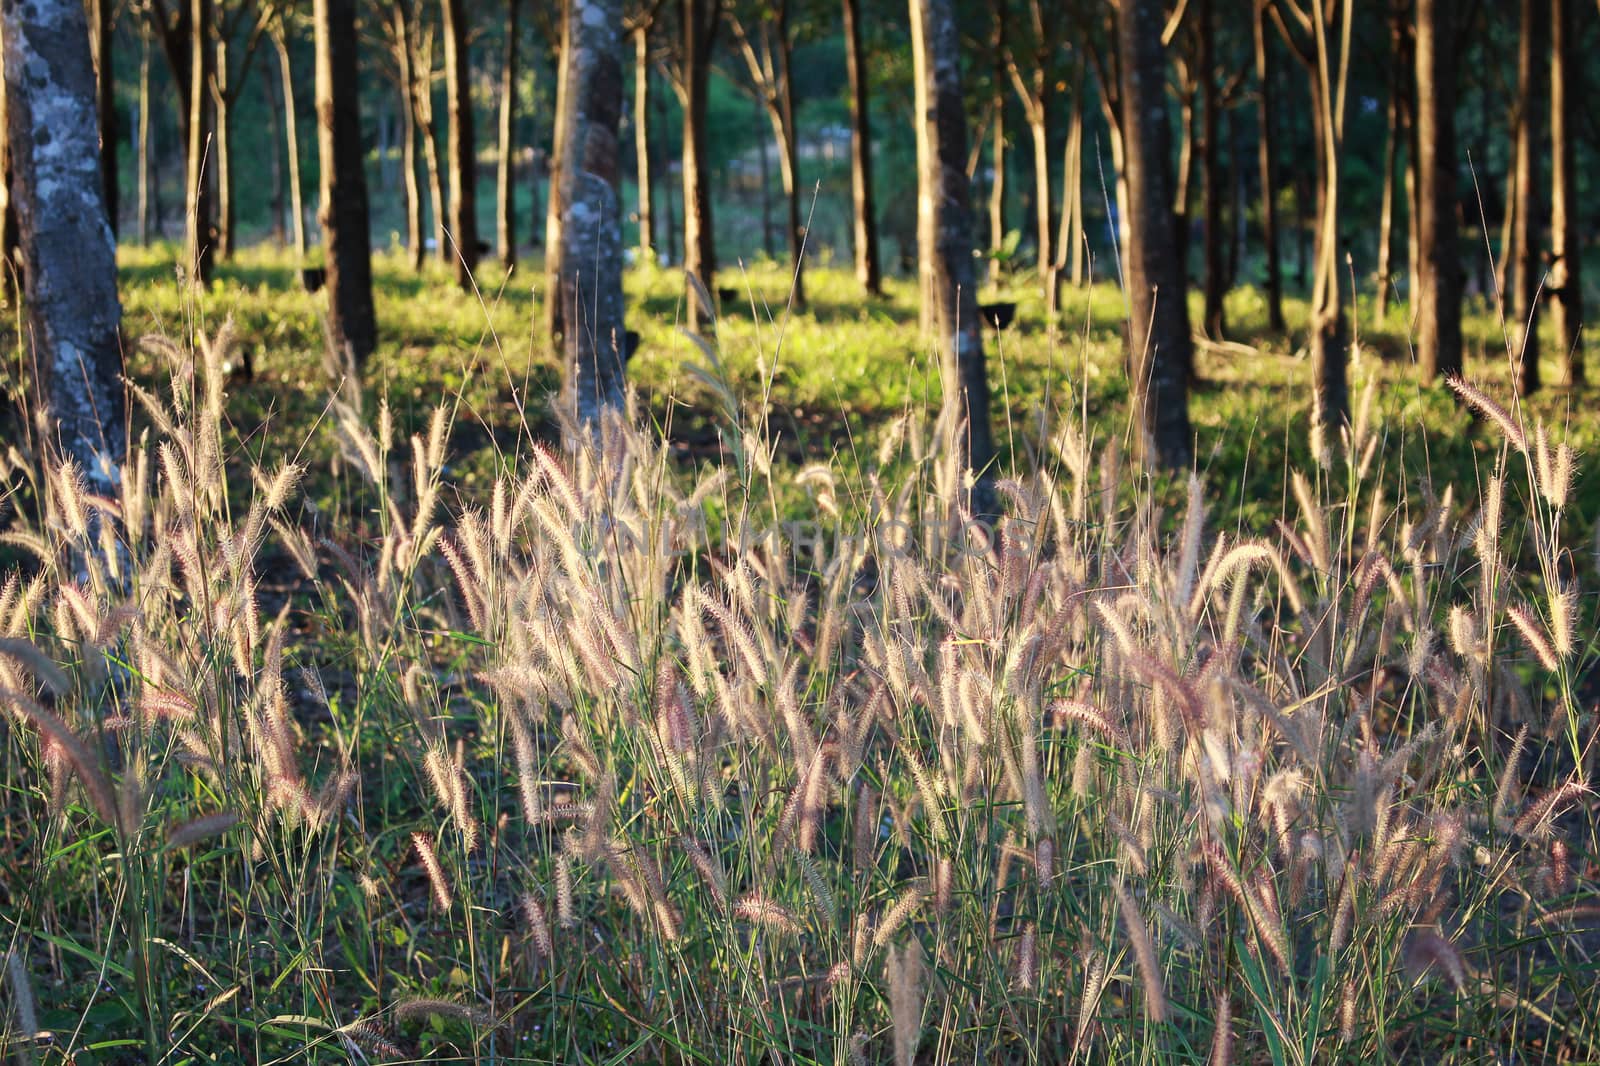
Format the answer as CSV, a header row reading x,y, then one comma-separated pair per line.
x,y
430,864
739,636
527,772
329,800
95,783
905,1001
1026,974
822,900
1464,633
472,595
867,821
1193,527
43,668
1062,711
1480,402
566,916
1533,636
1508,780
538,925
1562,601
709,867
758,910
1347,1011
450,1010
904,906
1144,952
1537,819
1222,1032
365,1034
1428,948
1089,1003
202,828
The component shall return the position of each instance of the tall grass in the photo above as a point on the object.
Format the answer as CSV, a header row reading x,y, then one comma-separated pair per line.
x,y
625,758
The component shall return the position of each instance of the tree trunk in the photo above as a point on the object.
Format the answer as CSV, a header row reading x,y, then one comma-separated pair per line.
x,y
869,273
591,273
346,233
1437,299
430,156
200,228
788,156
944,240
553,244
505,198
291,128
463,144
641,140
1180,197
11,279
1044,204
1216,325
670,222
408,133
1070,255
224,154
144,136
1328,65
280,191
1408,123
102,43
1391,151
764,187
1525,273
1267,98
1159,317
1566,237
699,20
66,239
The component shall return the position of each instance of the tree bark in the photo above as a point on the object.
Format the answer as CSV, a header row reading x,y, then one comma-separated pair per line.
x,y
280,189
1391,152
997,151
404,56
1159,318
280,44
144,136
102,43
944,240
554,310
641,139
463,144
699,20
1070,247
506,197
223,152
1566,244
590,287
1216,325
869,272
1524,255
345,230
1326,57
1437,298
66,240
200,227
1267,77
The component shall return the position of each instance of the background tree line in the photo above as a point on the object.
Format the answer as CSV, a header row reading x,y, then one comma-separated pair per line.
x,y
1214,143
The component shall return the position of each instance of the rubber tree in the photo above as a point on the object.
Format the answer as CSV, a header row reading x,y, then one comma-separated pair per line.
x,y
590,282
864,220
1566,237
1438,268
1321,39
67,245
944,240
463,238
765,38
346,233
1160,344
1526,272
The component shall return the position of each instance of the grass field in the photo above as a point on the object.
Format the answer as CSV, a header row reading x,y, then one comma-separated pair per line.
x,y
372,724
